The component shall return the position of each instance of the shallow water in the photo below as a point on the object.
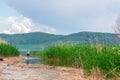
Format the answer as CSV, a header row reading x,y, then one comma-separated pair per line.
x,y
32,59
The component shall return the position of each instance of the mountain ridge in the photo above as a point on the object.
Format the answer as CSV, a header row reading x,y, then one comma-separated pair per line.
x,y
46,39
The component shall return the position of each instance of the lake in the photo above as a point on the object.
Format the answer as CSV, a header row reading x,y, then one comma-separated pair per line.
x,y
32,59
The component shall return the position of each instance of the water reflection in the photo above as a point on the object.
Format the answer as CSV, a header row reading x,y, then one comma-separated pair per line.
x,y
32,59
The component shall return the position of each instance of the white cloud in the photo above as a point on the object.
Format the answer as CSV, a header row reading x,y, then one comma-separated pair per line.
x,y
24,25
28,21
11,19
99,14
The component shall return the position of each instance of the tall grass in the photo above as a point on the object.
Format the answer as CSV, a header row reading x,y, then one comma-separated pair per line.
x,y
106,58
7,50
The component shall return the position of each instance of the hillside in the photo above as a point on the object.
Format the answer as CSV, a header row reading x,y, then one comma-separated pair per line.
x,y
30,38
45,39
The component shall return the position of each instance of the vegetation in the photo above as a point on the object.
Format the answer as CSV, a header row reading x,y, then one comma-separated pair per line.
x,y
7,50
44,40
106,58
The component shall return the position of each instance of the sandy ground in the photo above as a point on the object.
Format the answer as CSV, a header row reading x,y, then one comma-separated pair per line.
x,y
10,69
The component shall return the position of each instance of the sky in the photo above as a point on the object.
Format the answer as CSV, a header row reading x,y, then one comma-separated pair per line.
x,y
58,16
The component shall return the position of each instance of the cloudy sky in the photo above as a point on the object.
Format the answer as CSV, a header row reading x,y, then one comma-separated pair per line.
x,y
58,16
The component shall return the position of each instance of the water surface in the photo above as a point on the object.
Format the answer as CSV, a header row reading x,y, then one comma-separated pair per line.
x,y
32,59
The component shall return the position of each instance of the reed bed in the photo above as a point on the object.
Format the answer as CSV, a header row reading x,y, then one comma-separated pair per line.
x,y
7,50
89,57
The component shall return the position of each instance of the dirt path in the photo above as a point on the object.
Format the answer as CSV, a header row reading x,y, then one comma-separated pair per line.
x,y
25,72
16,71
10,72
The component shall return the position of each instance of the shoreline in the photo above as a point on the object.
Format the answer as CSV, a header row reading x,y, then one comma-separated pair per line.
x,y
13,60
10,68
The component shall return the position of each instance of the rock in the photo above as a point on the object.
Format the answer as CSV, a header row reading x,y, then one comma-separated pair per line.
x,y
1,59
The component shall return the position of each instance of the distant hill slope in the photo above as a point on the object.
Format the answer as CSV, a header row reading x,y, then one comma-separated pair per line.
x,y
44,39
94,38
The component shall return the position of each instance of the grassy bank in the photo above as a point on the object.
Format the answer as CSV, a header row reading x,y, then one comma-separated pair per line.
x,y
7,50
104,58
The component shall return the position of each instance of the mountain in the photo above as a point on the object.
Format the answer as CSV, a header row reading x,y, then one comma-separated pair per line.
x,y
30,38
44,39
94,38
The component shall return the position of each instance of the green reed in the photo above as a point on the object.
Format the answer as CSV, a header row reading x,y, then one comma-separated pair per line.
x,y
106,58
7,50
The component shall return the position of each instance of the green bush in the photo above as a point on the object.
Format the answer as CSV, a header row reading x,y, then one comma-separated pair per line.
x,y
7,50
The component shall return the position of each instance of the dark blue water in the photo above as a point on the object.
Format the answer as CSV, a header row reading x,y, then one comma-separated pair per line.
x,y
32,59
